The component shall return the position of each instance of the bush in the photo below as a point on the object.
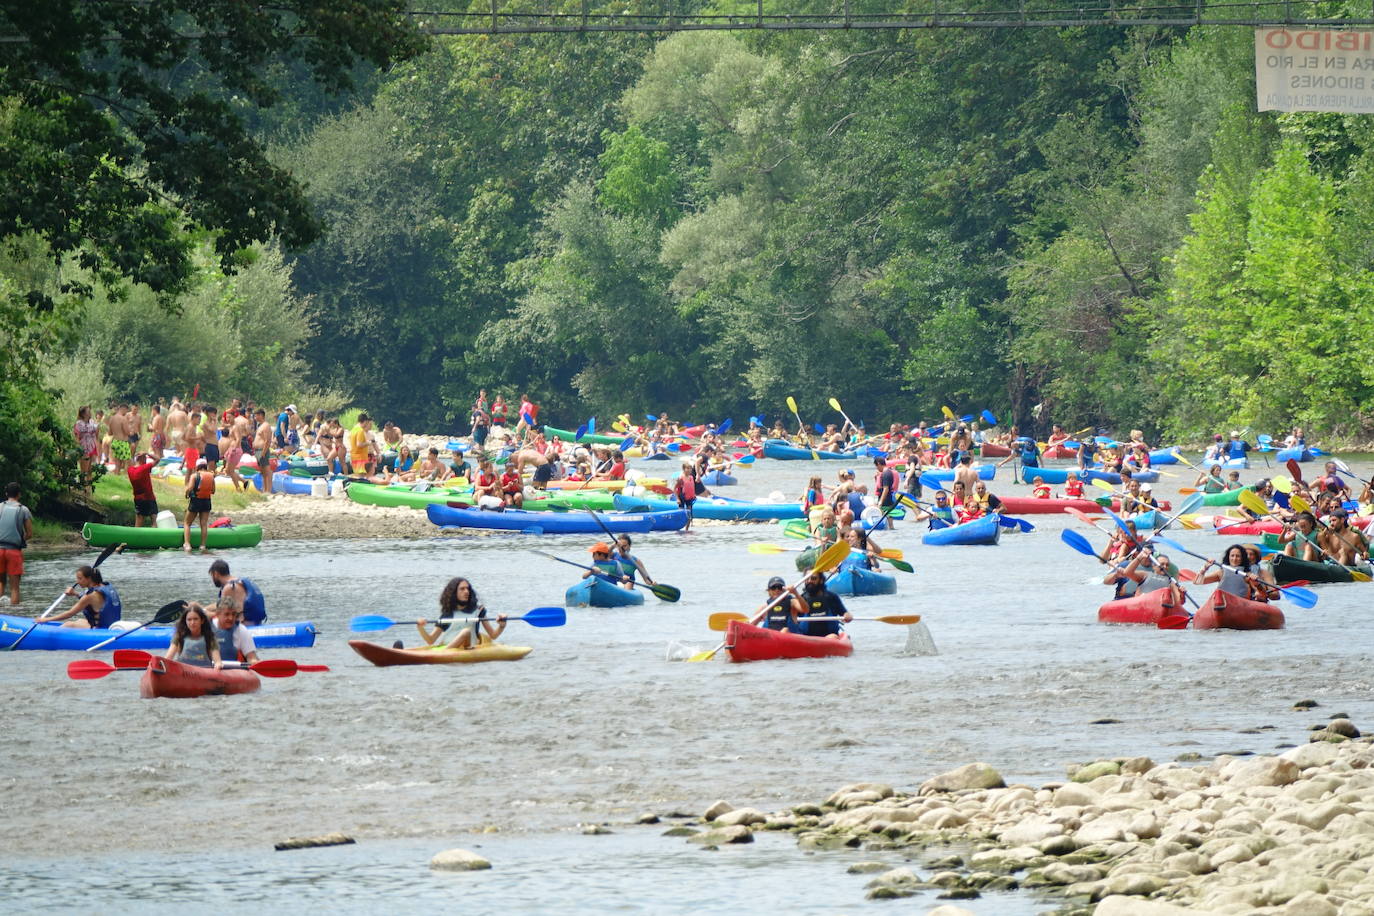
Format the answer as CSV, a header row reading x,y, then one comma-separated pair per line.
x,y
37,449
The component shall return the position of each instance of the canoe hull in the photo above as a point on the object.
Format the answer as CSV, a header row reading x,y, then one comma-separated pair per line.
x,y
1290,569
555,522
980,531
857,582
368,494
290,635
594,592
1146,609
386,656
776,448
173,680
1224,611
747,643
153,538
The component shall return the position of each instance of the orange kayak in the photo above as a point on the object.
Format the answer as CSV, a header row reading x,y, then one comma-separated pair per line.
x,y
1224,610
1148,608
166,678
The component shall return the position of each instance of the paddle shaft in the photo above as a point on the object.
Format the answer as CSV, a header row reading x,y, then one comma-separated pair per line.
x,y
165,614
104,555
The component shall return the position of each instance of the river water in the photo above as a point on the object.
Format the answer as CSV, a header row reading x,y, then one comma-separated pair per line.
x,y
138,802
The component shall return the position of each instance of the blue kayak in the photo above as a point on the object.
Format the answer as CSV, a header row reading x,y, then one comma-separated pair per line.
x,y
1055,476
1164,455
296,486
596,592
555,522
714,508
985,472
776,448
1302,453
856,581
718,479
296,634
986,530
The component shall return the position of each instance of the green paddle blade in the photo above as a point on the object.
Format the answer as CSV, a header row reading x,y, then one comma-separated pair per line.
x,y
665,592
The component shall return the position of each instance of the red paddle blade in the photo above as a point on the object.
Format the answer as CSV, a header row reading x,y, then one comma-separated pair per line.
x,y
276,667
312,667
1175,622
131,658
89,669
1294,469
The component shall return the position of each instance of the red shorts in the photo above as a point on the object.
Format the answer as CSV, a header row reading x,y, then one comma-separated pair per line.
x,y
11,562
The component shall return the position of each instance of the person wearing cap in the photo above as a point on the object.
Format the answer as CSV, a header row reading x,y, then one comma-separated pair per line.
x,y
819,601
784,606
1237,447
604,564
1345,544
1087,451
200,487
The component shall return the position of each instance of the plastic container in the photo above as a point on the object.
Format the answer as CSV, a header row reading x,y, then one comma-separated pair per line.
x,y
319,487
166,519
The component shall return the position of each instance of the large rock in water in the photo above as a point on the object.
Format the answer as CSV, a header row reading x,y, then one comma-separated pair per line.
x,y
970,776
458,860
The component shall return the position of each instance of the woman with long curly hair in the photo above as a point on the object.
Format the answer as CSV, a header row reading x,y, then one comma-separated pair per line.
x,y
459,599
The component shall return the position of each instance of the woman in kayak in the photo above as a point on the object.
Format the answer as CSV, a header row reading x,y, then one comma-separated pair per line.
x,y
1211,480
863,553
1235,575
193,642
459,599
98,605
783,609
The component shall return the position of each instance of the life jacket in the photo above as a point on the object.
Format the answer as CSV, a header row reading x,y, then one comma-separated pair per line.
x,y
110,612
1042,490
254,605
1073,488
686,487
203,485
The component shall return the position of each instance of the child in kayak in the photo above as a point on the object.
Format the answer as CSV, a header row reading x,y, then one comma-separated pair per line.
x,y
459,599
193,642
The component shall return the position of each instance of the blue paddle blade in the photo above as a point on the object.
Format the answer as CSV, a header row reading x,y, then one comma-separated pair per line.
x,y
627,442
581,431
1172,544
1120,522
747,459
1077,542
989,417
1317,451
674,446
1191,504
591,424
724,427
1069,443
545,617
370,623
818,427
930,483
1302,597
651,418
966,418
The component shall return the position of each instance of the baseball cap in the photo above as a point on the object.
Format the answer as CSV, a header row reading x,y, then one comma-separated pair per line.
x,y
777,582
601,547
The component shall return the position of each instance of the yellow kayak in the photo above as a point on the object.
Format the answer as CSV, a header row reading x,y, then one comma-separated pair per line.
x,y
386,656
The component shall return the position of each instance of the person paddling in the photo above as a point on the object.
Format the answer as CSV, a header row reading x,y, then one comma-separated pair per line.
x,y
193,641
1300,539
459,599
628,563
1346,545
1241,578
242,590
783,613
820,601
98,603
604,564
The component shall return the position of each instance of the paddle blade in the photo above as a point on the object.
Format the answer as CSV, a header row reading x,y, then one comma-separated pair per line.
x,y
89,669
1358,576
1175,622
131,658
707,655
312,667
275,667
1120,522
929,482
831,557
724,427
581,431
664,592
1294,469
949,414
1297,502
1077,542
791,403
989,417
1253,501
899,565
720,620
836,405
545,617
1191,504
745,459
896,619
1300,596
891,553
1102,485
370,623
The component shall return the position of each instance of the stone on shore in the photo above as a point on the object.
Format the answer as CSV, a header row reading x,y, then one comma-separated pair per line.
x,y
970,776
737,816
717,810
458,860
723,836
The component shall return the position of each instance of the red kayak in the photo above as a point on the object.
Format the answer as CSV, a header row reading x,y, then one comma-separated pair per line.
x,y
747,643
166,678
993,450
1029,505
1238,526
1060,453
1148,608
1231,612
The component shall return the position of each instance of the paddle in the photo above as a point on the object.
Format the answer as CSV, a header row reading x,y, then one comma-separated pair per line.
x,y
1079,543
104,555
165,614
535,617
581,431
665,592
1294,470
831,557
887,553
989,418
137,658
792,406
720,620
1300,596
89,669
724,427
1303,505
836,404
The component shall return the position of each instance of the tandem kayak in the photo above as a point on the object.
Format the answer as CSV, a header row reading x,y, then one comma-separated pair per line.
x,y
596,592
1229,464
715,508
151,537
745,642
1030,505
858,582
555,522
1290,569
783,451
410,496
166,678
386,656
1224,610
51,636
1059,476
1148,608
986,530
718,479
1300,454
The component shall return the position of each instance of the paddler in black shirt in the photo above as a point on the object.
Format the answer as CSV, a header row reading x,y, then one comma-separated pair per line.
x,y
821,602
785,609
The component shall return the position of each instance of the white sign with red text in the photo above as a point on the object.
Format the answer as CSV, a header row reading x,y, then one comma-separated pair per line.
x,y
1314,70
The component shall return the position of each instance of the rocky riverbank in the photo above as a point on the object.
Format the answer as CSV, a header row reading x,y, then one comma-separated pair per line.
x,y
1291,834
303,517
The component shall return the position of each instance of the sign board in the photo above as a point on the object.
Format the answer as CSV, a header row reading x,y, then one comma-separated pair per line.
x,y
1314,70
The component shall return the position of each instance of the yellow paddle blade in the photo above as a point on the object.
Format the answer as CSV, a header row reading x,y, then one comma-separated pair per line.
x,y
1302,505
1358,576
891,553
901,619
1252,501
836,404
1188,523
949,414
764,548
791,403
720,620
618,426
1103,485
705,656
831,557
1281,483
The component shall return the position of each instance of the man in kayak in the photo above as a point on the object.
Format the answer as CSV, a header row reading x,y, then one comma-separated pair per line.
x,y
629,563
234,641
783,608
98,603
604,565
1332,482
1345,544
1237,447
965,473
987,501
885,484
820,601
242,590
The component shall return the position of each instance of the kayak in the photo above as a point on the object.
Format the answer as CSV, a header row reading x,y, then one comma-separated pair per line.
x,y
297,485
166,678
1231,612
386,656
985,472
858,582
1291,569
605,484
715,508
1300,453
776,448
596,592
51,636
986,530
993,450
312,467
1224,498
1230,464
1059,453
1147,608
1030,505
718,479
596,500
570,435
1056,476
406,496
745,642
572,522
1164,455
151,537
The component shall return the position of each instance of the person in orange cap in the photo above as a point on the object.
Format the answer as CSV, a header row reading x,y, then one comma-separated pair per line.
x,y
604,565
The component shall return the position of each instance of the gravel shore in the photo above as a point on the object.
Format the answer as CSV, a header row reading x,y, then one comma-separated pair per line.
x,y
303,517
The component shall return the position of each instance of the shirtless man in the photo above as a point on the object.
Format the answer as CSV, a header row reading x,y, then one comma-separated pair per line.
x,y
241,428
135,424
1346,544
194,436
157,427
965,473
262,449
543,471
177,421
118,425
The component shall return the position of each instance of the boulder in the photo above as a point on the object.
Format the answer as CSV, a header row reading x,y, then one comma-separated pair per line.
x,y
1309,904
717,810
723,836
745,816
1262,771
1133,906
1031,830
458,860
970,776
648,817
1306,756
1091,771
1343,727
1073,794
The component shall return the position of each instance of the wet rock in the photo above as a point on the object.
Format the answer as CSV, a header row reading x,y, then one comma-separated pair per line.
x,y
970,776
891,892
1310,904
1262,771
1188,757
824,840
595,830
681,831
458,860
737,816
959,893
945,879
1058,845
1343,726
807,810
312,842
1092,771
780,822
1132,885
880,791
1105,722
1306,704
717,810
1306,756
901,875
648,817
723,836
866,868
1328,736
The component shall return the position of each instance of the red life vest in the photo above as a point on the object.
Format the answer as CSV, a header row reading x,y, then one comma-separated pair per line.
x,y
1042,491
203,485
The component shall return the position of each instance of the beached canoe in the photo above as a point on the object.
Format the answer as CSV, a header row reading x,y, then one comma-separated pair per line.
x,y
151,537
1224,611
715,508
747,643
857,582
1029,505
783,451
386,656
1147,609
573,522
718,479
166,678
409,496
1290,569
595,500
54,637
984,530
596,592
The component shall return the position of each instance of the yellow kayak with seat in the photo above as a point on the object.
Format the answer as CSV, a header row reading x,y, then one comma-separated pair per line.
x,y
486,651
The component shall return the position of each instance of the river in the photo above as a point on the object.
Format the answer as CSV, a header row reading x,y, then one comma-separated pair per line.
x,y
147,804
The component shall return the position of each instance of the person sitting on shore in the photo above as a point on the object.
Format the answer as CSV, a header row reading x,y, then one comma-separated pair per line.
x,y
459,599
193,641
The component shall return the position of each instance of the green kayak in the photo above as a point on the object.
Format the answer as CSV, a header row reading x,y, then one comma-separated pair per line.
x,y
595,500
570,435
151,538
1224,498
371,494
1287,569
